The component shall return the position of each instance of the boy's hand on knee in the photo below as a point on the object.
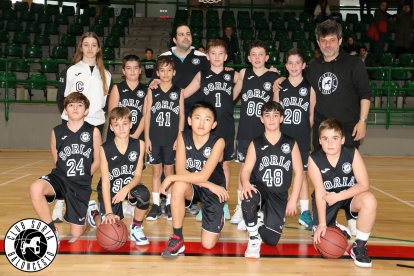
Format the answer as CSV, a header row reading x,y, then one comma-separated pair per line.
x,y
221,192
247,191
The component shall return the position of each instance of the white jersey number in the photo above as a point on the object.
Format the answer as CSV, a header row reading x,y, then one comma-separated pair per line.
x,y
160,119
218,100
119,183
275,179
294,117
254,109
75,167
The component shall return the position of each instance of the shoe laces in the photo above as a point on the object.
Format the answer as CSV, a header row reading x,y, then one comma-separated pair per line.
x,y
173,241
361,248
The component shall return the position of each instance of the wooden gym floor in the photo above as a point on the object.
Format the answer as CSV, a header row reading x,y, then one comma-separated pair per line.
x,y
391,244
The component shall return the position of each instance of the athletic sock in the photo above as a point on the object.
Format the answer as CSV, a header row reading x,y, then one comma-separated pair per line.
x,y
304,205
156,198
52,225
238,198
362,235
178,232
168,201
136,223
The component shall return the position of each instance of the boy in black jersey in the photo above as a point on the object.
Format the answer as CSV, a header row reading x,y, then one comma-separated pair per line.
x,y
266,177
149,68
75,150
130,93
216,85
255,88
164,120
340,178
298,100
199,177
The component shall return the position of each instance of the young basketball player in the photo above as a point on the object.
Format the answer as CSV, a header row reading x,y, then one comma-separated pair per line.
x,y
122,161
75,150
164,120
340,178
255,85
266,177
298,100
199,177
130,93
216,84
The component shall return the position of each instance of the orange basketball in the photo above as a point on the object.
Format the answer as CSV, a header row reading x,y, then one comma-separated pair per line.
x,y
112,236
333,244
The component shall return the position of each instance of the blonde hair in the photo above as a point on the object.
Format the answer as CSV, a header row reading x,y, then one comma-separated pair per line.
x,y
99,58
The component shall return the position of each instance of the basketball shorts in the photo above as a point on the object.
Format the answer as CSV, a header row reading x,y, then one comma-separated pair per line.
x,y
76,198
273,207
211,208
229,152
116,208
241,150
162,155
332,211
304,155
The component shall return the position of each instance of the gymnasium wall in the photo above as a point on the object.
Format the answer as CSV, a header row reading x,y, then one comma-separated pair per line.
x,y
29,127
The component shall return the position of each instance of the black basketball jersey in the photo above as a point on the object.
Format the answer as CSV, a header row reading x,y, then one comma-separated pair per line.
x,y
121,166
165,116
256,91
134,100
339,178
273,167
197,158
75,153
218,90
296,102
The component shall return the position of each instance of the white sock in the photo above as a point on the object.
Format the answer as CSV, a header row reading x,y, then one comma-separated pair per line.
x,y
362,236
156,198
253,230
168,202
304,205
238,198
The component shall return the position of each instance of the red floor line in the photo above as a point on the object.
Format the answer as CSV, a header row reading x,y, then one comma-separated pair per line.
x,y
226,249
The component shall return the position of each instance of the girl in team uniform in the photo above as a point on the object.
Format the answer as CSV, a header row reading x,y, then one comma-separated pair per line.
x,y
164,120
298,100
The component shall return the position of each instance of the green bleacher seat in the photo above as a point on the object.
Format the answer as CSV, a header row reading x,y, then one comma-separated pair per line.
x,y
387,59
298,35
11,79
289,16
351,18
243,15
122,21
33,51
261,24
128,12
42,40
278,24
36,83
61,20
21,38
83,20
75,29
247,34
293,25
21,6
52,10
98,30
274,15
308,56
309,27
265,35
14,26
305,18
212,33
68,40
108,53
285,45
19,66
27,16
4,36
102,21
227,14
281,35
33,28
68,11
406,60
246,44
43,18
273,58
304,45
51,29
37,8
258,15
244,24
108,12
5,5
50,68
59,52
367,18
112,42
9,15
91,11
359,27
380,74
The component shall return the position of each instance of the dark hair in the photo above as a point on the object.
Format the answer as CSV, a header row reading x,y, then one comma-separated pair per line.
x,y
331,123
272,106
130,58
149,49
174,34
294,52
164,60
258,44
216,43
203,104
363,47
328,27
120,112
76,97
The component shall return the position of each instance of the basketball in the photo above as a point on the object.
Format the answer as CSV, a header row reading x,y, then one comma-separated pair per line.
x,y
333,244
112,236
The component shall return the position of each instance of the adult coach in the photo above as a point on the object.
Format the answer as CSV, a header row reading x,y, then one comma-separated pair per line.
x,y
341,84
188,62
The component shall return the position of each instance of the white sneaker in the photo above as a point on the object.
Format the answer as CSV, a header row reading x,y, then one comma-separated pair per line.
x,y
57,215
253,247
91,209
238,215
344,229
352,226
241,226
138,236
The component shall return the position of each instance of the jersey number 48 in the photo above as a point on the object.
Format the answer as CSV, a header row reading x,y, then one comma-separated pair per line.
x,y
274,178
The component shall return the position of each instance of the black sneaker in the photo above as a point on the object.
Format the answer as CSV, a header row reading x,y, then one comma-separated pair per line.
x,y
154,213
168,213
163,205
175,246
360,255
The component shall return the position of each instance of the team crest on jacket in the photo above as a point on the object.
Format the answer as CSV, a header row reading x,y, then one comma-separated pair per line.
x,y
285,148
195,61
173,96
132,156
347,167
85,137
140,93
227,77
207,152
267,86
303,91
328,83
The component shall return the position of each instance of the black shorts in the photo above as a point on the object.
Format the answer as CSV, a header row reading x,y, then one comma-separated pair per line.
x,y
116,208
273,208
304,155
76,198
229,152
332,211
211,208
241,150
162,155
